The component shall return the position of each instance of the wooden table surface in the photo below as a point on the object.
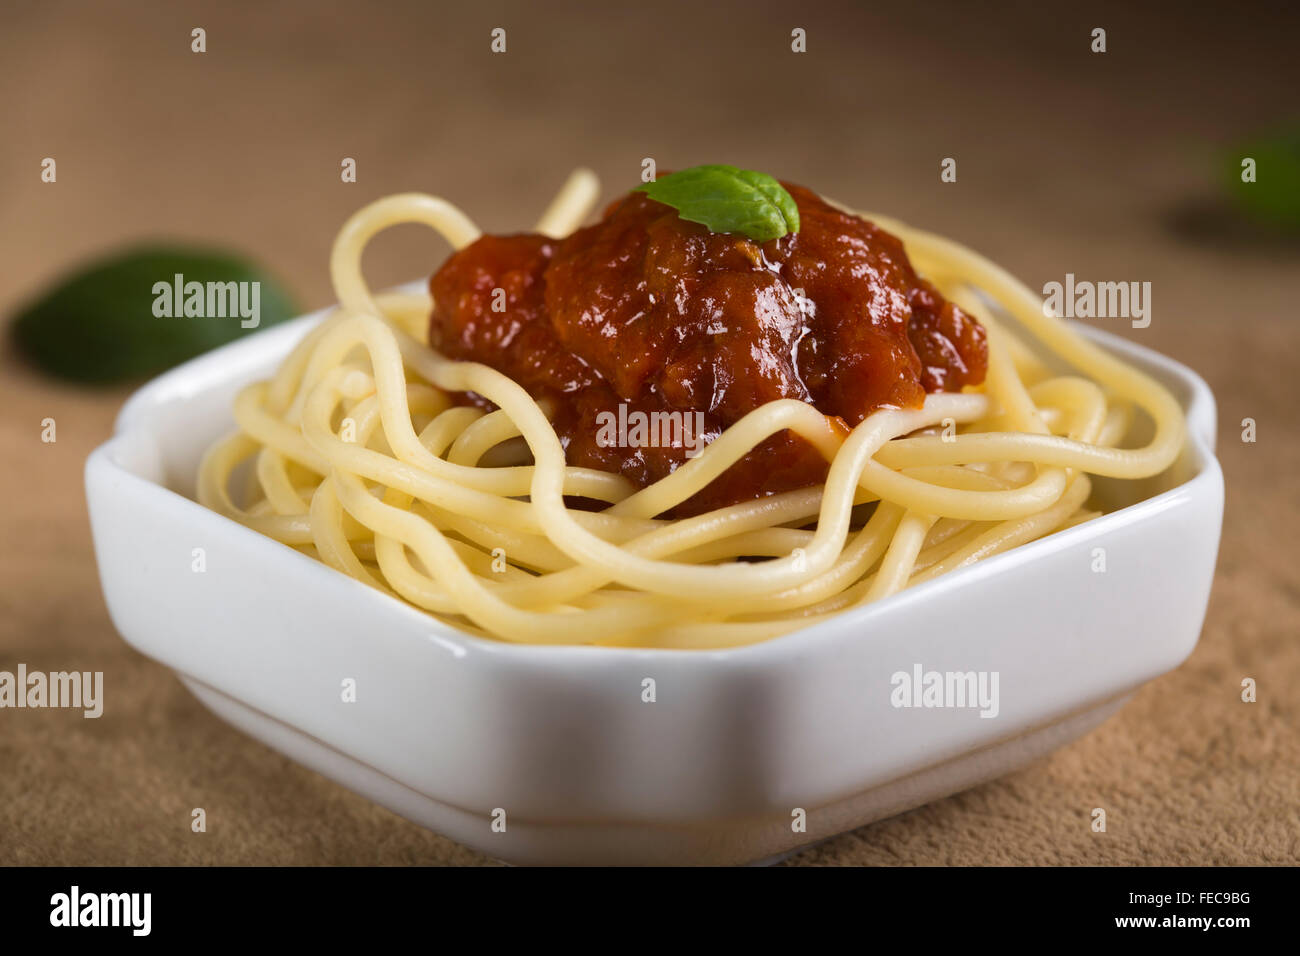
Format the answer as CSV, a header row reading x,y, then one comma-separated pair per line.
x,y
1068,161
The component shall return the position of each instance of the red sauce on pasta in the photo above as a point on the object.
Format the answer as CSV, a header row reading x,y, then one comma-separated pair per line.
x,y
661,315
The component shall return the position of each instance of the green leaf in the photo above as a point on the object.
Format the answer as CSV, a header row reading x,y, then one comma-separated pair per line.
x,y
99,326
727,199
1274,197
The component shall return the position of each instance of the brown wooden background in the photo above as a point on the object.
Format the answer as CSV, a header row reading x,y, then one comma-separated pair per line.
x,y
1068,161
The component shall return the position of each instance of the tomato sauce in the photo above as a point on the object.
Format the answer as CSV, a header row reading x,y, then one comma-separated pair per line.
x,y
662,315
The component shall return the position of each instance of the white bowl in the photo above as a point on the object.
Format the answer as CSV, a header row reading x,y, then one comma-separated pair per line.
x,y
449,730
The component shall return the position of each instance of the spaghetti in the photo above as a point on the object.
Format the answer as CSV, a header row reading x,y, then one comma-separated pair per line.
x,y
357,453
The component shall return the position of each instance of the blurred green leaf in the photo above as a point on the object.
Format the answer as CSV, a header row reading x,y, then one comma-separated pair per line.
x,y
1274,197
98,325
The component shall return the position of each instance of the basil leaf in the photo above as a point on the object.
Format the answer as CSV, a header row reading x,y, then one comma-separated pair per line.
x,y
99,325
727,199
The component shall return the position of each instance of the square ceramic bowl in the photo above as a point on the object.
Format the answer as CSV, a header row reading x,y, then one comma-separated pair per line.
x,y
550,755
